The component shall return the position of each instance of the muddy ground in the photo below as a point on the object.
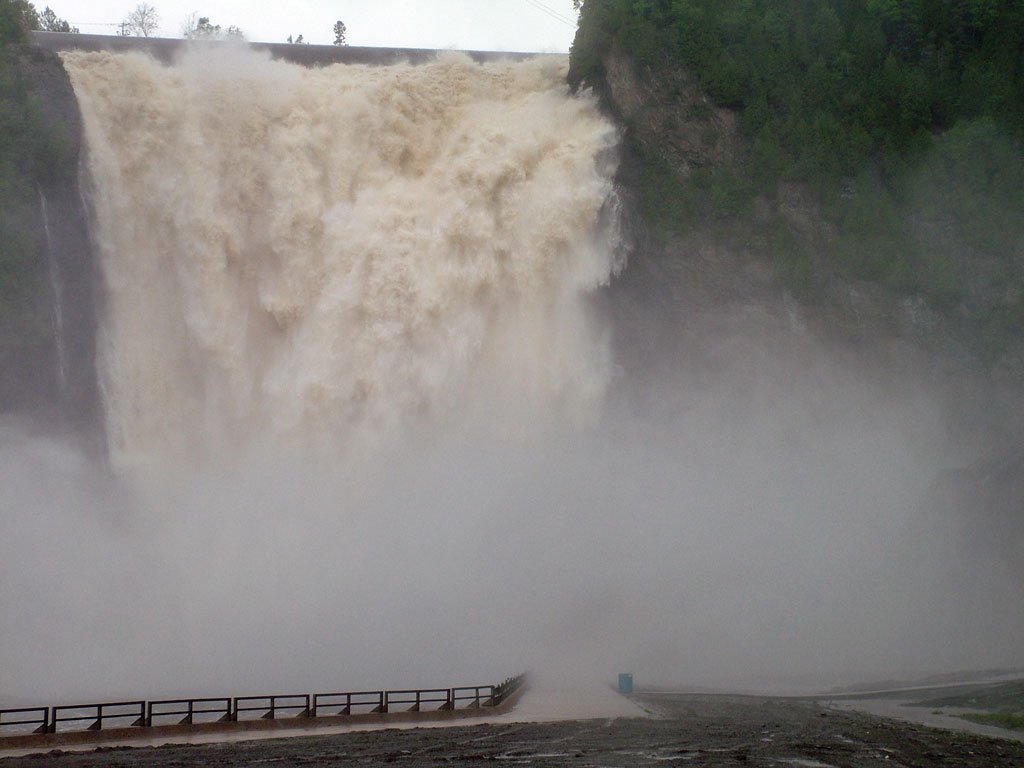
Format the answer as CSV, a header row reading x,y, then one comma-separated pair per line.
x,y
693,730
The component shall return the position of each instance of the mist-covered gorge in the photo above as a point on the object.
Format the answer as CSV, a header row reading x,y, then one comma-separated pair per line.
x,y
376,378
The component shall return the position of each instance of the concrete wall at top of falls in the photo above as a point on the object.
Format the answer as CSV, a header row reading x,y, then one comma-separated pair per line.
x,y
164,49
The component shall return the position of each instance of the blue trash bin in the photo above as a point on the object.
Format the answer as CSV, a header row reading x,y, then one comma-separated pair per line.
x,y
625,683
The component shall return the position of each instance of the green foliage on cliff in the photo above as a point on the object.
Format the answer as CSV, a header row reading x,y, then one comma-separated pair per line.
x,y
902,120
826,85
16,18
32,155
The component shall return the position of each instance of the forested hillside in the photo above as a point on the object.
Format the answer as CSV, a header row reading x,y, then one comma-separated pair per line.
x,y
901,119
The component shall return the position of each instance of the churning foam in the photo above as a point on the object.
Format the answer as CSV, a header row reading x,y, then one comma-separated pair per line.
x,y
332,256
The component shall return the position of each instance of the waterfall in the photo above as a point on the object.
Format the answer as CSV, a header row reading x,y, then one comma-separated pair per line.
x,y
341,256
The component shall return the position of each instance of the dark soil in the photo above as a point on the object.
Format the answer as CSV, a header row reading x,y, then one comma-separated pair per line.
x,y
695,730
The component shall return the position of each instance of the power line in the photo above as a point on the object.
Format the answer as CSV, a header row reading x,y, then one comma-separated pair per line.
x,y
122,25
551,12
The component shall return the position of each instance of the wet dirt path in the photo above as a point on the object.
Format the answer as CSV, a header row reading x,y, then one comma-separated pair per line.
x,y
692,730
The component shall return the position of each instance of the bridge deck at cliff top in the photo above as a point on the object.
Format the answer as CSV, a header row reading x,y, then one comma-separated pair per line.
x,y
165,49
537,704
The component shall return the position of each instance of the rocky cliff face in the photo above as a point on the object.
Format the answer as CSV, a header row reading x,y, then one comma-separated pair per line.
x,y
725,275
56,377
670,117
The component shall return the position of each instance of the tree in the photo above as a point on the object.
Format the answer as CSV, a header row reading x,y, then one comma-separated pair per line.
x,y
297,41
205,29
16,16
339,33
50,22
143,21
198,27
188,26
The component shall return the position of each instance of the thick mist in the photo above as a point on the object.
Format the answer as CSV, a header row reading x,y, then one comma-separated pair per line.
x,y
374,421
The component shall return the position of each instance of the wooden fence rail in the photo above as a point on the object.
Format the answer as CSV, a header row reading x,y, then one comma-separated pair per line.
x,y
146,714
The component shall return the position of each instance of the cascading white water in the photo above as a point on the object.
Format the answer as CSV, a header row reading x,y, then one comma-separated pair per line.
x,y
328,257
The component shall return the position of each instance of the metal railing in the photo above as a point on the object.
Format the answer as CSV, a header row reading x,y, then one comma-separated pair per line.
x,y
416,698
296,704
477,696
189,709
350,703
61,719
41,719
506,688
97,713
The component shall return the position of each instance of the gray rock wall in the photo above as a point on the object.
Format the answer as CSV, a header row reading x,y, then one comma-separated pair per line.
x,y
56,379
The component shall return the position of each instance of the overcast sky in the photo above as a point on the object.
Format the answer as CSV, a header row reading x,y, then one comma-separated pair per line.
x,y
520,25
